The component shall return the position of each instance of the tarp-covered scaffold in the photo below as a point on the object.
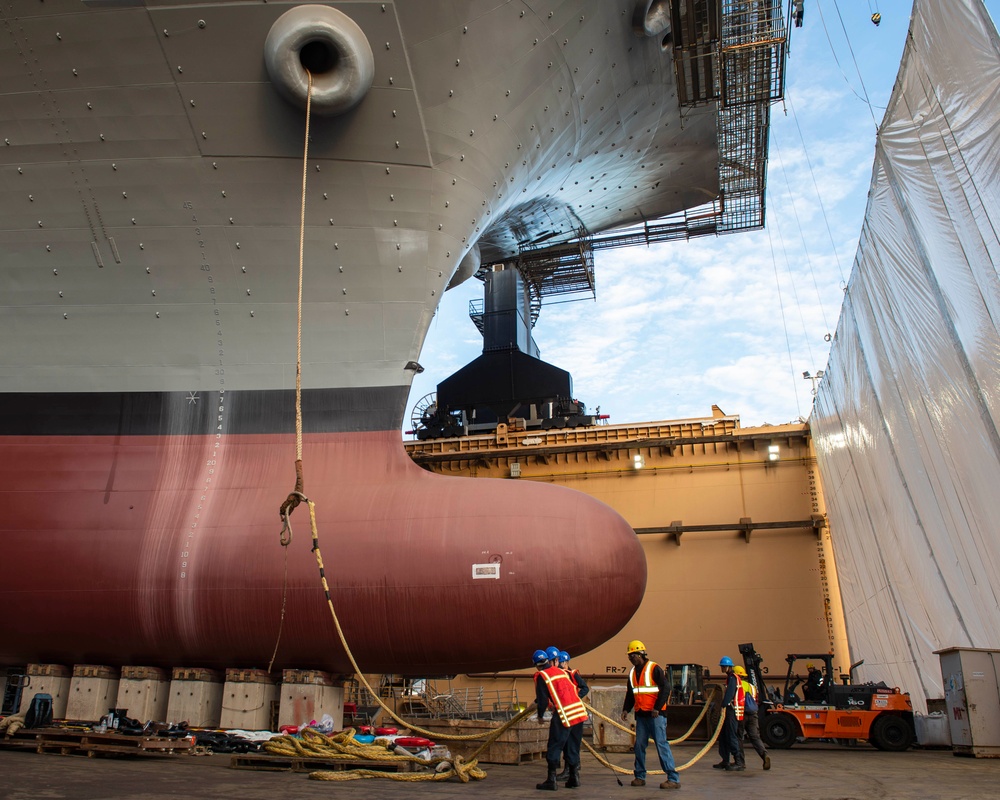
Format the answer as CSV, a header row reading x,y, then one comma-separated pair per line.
x,y
906,418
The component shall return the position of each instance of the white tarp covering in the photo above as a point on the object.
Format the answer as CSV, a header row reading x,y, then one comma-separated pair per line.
x,y
906,418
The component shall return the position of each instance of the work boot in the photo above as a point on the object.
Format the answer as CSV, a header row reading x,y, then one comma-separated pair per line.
x,y
721,765
735,767
574,778
637,782
767,761
670,785
562,776
550,782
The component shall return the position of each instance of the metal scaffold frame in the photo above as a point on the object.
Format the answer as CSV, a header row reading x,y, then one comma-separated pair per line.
x,y
728,52
752,52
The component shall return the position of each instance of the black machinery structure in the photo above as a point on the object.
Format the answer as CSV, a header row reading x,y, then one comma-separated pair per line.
x,y
509,382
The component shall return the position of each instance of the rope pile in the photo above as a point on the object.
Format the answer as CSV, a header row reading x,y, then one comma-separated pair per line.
x,y
344,747
12,724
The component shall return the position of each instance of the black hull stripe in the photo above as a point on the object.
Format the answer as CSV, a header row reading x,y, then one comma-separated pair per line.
x,y
193,413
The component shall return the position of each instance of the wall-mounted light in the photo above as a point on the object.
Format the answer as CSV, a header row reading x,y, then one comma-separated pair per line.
x,y
515,469
814,378
772,452
638,461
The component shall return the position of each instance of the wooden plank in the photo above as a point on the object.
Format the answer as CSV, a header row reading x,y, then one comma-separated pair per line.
x,y
157,744
264,763
18,742
303,764
60,749
65,742
109,749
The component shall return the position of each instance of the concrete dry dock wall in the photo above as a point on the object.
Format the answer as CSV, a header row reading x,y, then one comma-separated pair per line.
x,y
732,522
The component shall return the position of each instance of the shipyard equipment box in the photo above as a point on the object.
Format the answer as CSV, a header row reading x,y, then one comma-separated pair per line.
x,y
971,678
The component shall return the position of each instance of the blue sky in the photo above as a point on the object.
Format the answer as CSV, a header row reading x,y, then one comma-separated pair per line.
x,y
732,320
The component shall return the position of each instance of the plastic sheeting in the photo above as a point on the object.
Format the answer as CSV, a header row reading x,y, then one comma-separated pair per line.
x,y
906,419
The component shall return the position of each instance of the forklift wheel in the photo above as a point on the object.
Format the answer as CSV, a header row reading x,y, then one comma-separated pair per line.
x,y
779,730
891,733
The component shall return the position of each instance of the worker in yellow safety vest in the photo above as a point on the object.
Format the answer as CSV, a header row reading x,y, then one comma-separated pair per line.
x,y
733,702
647,692
554,686
750,724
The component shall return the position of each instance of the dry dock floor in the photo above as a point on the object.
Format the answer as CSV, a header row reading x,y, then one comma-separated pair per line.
x,y
805,772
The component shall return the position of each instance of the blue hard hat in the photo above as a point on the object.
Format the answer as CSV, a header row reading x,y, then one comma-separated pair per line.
x,y
540,657
563,656
552,653
726,662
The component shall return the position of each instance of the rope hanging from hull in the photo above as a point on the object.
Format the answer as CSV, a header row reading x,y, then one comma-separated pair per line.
x,y
312,741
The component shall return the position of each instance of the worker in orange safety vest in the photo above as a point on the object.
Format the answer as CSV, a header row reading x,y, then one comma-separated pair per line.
x,y
553,686
647,692
582,688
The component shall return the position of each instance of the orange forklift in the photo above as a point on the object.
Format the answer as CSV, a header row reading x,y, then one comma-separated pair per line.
x,y
846,711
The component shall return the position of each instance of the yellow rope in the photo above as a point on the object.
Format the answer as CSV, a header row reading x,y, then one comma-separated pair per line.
x,y
694,760
685,736
284,598
344,747
302,246
298,494
293,499
12,724
464,769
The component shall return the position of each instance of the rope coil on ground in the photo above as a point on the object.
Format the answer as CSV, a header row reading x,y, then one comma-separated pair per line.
x,y
344,747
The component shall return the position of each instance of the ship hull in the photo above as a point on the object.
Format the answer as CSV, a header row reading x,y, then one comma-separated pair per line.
x,y
153,180
165,551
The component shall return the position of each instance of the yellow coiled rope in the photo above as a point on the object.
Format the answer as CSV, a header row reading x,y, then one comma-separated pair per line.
x,y
345,747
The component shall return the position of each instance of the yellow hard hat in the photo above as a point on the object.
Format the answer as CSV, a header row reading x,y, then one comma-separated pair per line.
x,y
740,671
635,646
809,665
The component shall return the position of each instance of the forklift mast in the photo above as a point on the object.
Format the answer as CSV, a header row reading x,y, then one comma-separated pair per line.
x,y
755,675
